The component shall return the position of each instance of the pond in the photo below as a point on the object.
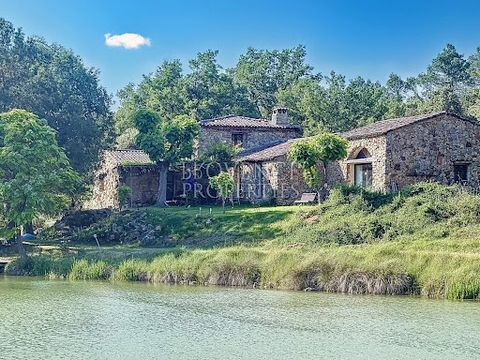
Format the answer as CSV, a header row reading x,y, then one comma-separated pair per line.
x,y
43,319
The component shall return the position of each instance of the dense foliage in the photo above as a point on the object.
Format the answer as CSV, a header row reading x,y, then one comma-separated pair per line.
x,y
352,215
262,79
54,83
166,142
220,153
35,176
324,148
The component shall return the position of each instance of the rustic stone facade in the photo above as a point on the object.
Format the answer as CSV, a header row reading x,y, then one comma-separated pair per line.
x,y
124,167
428,148
143,182
247,133
276,180
268,176
252,137
343,171
384,156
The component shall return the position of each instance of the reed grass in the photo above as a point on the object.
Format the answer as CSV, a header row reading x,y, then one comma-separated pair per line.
x,y
424,240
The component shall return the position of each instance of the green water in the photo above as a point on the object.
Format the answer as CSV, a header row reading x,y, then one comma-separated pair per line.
x,y
89,320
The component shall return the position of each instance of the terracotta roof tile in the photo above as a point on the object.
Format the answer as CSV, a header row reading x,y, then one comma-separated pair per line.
x,y
243,121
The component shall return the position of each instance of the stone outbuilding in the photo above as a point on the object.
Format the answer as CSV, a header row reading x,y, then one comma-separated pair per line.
x,y
134,169
390,154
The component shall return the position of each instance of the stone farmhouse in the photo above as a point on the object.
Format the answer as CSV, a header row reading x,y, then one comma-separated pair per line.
x,y
384,156
134,168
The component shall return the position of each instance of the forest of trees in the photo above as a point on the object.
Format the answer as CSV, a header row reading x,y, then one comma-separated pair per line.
x,y
262,79
54,83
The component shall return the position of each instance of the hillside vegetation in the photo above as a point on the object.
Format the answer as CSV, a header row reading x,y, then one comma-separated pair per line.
x,y
423,240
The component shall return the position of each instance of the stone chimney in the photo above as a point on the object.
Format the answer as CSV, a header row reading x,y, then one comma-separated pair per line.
x,y
280,115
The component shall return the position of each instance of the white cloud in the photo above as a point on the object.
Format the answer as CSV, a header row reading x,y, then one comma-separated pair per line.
x,y
127,40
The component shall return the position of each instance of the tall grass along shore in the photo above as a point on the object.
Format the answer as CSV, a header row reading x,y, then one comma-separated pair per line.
x,y
423,240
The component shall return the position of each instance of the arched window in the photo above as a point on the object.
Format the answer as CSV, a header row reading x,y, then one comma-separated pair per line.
x,y
359,153
361,163
362,154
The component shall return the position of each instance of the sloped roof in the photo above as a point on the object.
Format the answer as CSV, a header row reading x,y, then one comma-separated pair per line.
x,y
128,157
269,152
246,122
382,127
272,151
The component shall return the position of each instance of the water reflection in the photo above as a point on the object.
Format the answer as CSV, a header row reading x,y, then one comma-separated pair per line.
x,y
63,320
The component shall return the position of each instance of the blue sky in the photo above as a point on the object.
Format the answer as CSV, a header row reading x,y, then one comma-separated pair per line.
x,y
367,38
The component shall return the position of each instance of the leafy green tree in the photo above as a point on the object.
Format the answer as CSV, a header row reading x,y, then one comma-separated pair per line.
x,y
206,92
446,80
166,142
35,175
366,101
471,100
325,148
336,106
221,153
223,183
211,92
163,92
54,83
306,100
264,73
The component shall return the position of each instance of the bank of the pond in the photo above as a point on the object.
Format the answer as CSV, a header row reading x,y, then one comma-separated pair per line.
x,y
424,240
387,268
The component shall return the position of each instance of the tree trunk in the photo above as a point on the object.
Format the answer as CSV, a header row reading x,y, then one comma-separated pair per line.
x,y
162,183
21,249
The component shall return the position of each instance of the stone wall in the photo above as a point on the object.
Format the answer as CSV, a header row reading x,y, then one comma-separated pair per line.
x,y
342,171
428,150
423,151
252,137
282,181
143,181
105,185
291,184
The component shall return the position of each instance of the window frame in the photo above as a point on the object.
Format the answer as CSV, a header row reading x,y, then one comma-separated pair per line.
x,y
235,141
465,166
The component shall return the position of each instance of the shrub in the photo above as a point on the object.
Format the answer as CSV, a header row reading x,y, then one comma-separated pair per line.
x,y
352,215
124,193
95,270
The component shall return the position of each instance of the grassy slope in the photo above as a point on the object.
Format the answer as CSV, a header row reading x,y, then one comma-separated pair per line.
x,y
425,240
